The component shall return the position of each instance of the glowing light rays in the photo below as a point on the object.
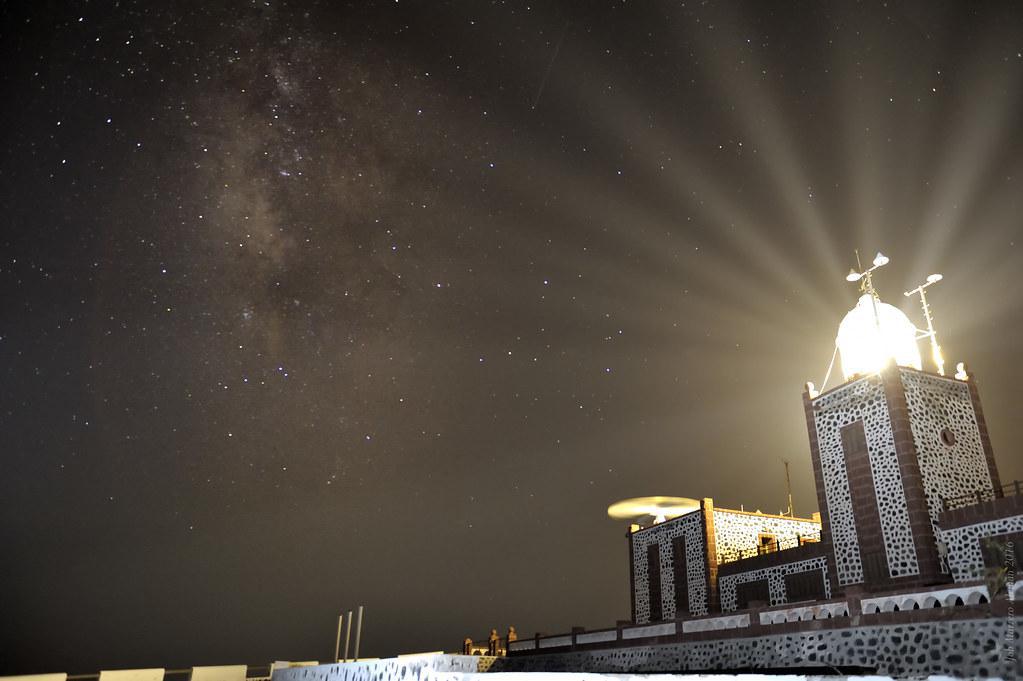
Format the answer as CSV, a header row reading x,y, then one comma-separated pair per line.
x,y
973,148
760,116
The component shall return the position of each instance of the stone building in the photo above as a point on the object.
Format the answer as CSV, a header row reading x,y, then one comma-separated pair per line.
x,y
915,531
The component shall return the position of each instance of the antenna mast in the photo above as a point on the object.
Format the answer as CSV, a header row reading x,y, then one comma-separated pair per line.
x,y
939,361
788,488
867,281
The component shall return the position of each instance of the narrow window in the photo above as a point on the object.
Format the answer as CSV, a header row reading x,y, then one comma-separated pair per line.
x,y
653,562
681,577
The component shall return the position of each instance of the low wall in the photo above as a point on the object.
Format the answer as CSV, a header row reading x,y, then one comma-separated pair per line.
x,y
956,647
774,573
411,668
963,542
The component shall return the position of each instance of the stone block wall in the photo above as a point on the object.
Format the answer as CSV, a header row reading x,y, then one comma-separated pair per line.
x,y
774,569
947,439
775,576
737,533
881,483
964,648
965,557
689,527
413,668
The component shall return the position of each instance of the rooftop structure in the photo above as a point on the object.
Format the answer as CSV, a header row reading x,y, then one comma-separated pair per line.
x,y
913,531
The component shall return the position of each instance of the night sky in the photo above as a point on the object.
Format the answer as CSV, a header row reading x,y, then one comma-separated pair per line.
x,y
308,305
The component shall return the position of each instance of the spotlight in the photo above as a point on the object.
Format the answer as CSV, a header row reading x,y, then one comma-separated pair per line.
x,y
880,259
853,275
932,278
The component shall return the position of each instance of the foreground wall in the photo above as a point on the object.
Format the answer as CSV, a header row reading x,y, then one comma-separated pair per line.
x,y
386,671
957,647
412,668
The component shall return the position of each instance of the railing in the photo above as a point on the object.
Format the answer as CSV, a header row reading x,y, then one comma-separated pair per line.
x,y
1014,488
484,646
772,546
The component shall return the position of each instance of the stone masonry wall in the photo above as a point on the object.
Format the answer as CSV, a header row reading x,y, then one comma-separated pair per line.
x,y
953,467
864,400
691,527
961,648
775,576
737,532
418,668
964,554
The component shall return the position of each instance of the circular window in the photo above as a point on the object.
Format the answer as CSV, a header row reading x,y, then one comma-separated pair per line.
x,y
948,438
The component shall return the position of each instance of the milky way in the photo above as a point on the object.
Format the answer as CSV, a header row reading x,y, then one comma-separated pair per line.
x,y
311,305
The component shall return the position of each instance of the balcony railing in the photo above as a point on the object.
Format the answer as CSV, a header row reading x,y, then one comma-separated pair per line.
x,y
484,646
773,546
1014,488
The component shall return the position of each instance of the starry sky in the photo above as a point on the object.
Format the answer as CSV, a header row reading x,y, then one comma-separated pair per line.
x,y
307,305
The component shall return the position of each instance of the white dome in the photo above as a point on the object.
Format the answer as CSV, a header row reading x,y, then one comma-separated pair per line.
x,y
867,343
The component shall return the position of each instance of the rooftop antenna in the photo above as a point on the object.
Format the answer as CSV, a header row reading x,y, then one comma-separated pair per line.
x,y
867,281
939,361
866,286
788,488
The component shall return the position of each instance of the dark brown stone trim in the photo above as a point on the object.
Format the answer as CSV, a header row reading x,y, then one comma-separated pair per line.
x,y
912,480
863,496
992,509
985,438
710,556
632,577
653,582
822,498
679,561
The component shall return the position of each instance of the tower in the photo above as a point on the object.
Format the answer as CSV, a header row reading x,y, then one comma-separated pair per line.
x,y
887,446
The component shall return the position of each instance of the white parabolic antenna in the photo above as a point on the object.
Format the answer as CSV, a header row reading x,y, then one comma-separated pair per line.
x,y
659,507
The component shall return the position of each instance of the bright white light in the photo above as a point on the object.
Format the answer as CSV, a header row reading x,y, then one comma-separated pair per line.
x,y
868,342
880,259
932,278
853,275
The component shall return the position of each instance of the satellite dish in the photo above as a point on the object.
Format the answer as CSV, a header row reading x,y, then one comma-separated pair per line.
x,y
661,508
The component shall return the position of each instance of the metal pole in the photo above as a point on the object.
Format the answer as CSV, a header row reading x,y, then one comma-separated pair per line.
x,y
935,348
788,488
358,634
348,633
337,641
